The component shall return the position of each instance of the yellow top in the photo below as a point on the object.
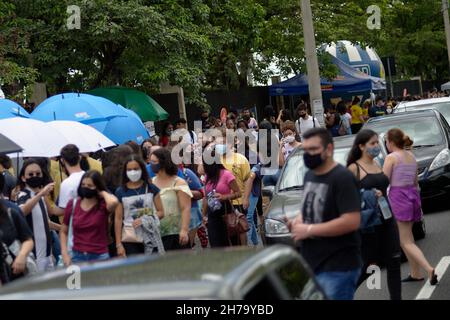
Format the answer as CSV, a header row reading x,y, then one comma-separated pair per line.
x,y
239,166
357,112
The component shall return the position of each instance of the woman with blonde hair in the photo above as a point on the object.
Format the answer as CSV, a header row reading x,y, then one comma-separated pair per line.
x,y
400,167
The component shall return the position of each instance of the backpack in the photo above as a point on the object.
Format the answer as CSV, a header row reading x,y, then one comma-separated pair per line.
x,y
342,131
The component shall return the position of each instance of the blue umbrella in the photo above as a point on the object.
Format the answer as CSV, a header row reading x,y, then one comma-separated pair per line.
x,y
11,109
78,107
123,129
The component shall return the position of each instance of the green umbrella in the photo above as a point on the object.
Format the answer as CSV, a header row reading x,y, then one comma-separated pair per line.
x,y
147,108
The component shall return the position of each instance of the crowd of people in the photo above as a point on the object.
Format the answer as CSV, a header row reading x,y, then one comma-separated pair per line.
x,y
138,199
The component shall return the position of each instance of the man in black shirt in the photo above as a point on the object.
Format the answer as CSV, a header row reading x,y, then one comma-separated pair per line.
x,y
329,219
379,109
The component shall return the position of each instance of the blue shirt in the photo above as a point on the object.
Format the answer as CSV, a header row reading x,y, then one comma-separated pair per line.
x,y
124,193
193,181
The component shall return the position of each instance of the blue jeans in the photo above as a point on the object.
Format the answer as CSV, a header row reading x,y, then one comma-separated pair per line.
x,y
252,234
78,256
339,285
272,179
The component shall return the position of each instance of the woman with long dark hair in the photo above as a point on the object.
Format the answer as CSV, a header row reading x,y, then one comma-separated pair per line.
x,y
33,199
88,214
167,129
221,188
138,196
400,167
13,227
382,244
176,201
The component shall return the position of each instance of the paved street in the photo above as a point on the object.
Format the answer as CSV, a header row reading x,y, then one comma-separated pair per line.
x,y
435,246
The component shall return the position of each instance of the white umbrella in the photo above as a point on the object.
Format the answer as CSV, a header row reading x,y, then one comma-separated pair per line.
x,y
35,137
86,138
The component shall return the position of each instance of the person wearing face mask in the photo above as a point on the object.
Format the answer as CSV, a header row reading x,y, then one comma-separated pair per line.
x,y
400,167
378,109
329,219
251,122
288,143
137,197
88,214
305,121
382,244
33,200
175,198
167,130
70,163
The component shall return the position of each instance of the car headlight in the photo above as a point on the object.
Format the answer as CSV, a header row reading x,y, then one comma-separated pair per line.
x,y
275,227
441,160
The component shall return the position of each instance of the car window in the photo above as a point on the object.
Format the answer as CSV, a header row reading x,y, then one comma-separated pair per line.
x,y
423,131
297,281
295,169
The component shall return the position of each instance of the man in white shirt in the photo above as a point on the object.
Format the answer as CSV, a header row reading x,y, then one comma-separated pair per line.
x,y
305,122
70,160
251,122
190,136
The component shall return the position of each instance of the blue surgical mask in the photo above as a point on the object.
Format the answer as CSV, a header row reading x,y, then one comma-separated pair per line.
x,y
221,149
155,167
374,152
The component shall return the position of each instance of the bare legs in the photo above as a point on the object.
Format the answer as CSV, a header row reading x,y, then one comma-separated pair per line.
x,y
416,259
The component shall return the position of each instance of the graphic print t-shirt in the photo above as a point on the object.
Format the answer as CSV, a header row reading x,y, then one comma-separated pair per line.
x,y
137,202
327,197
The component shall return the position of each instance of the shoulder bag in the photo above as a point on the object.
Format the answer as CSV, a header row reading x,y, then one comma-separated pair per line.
x,y
235,221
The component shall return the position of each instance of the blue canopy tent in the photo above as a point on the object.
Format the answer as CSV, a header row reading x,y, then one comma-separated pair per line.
x,y
348,81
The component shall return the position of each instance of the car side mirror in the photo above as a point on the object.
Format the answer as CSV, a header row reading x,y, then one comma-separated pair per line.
x,y
268,191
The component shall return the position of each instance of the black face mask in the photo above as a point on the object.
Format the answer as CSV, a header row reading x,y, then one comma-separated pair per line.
x,y
312,161
35,182
246,118
87,193
303,115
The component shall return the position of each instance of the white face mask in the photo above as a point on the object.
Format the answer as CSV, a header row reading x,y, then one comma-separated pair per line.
x,y
134,175
289,139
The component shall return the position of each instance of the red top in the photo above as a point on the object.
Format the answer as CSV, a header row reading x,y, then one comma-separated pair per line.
x,y
164,141
90,228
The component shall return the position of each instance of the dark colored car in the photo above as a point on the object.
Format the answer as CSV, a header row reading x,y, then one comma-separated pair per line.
x,y
274,273
431,134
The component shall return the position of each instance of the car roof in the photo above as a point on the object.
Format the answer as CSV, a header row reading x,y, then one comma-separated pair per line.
x,y
423,102
207,272
402,115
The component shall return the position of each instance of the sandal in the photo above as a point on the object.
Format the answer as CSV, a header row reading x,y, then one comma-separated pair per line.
x,y
411,279
434,279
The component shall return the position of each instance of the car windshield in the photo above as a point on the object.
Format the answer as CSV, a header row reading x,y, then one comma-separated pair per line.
x,y
295,169
424,131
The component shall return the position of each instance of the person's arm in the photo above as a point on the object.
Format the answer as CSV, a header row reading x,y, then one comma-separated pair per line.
x,y
345,224
353,169
54,226
184,201
28,206
118,222
63,236
281,156
158,206
248,190
111,201
20,262
280,114
388,166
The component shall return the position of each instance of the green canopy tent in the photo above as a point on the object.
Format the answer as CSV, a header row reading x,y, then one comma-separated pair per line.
x,y
146,108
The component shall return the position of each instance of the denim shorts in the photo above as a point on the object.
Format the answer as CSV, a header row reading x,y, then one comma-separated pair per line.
x,y
78,256
339,285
